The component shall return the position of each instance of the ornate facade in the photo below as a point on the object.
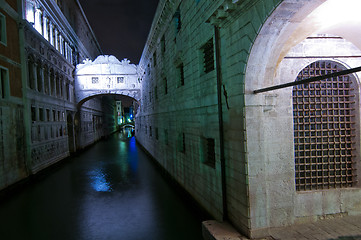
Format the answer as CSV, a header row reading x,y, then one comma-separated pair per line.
x,y
45,43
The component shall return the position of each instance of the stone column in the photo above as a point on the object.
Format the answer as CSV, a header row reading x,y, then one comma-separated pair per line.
x,y
38,16
45,27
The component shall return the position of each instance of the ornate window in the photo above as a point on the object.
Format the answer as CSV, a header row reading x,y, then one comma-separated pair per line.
x,y
324,129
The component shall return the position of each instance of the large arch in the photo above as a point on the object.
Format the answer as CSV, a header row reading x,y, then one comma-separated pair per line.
x,y
280,51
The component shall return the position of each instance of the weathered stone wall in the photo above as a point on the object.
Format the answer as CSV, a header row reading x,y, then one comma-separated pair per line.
x,y
278,54
12,131
178,114
192,108
39,115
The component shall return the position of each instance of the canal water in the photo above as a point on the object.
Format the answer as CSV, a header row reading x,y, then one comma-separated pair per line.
x,y
110,191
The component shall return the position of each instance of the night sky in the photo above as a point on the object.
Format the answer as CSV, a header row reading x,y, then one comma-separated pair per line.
x,y
121,26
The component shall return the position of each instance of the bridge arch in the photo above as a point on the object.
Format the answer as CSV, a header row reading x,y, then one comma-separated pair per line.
x,y
106,75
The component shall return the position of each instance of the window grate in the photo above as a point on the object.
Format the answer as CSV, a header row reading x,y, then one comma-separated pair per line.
x,y
324,129
208,56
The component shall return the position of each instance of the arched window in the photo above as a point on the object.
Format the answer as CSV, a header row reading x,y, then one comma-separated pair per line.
x,y
52,82
57,84
324,129
30,11
31,74
46,79
39,76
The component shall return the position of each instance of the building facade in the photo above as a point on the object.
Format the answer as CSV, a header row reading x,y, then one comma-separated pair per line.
x,y
42,123
12,130
261,160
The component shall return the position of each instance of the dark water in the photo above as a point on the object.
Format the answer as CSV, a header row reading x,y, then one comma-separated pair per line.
x,y
111,191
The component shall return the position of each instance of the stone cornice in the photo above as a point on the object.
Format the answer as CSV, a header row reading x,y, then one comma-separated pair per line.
x,y
228,9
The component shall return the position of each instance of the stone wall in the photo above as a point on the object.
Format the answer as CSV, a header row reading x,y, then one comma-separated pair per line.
x,y
12,131
176,126
40,121
179,111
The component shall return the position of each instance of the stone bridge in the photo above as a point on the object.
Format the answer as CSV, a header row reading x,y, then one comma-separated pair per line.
x,y
106,75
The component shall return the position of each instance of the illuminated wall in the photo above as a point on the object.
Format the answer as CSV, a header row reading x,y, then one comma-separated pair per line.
x,y
244,46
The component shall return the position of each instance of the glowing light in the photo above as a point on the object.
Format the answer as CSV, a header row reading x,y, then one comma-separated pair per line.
x,y
335,12
99,181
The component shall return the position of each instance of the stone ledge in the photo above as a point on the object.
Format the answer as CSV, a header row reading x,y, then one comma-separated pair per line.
x,y
214,230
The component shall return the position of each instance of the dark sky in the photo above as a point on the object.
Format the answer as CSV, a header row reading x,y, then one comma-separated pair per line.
x,y
121,26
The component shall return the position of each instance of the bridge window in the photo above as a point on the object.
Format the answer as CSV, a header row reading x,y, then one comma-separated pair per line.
x,y
120,79
95,80
324,129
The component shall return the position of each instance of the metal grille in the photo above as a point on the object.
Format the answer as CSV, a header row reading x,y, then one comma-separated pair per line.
x,y
324,129
208,56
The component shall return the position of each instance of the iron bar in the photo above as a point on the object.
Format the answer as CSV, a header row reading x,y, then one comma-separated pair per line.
x,y
221,124
308,80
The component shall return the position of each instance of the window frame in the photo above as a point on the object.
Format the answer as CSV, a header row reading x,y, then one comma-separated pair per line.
x,y
3,33
4,83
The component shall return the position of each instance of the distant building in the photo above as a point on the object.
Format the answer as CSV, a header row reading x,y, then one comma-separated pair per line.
x,y
13,166
257,160
42,41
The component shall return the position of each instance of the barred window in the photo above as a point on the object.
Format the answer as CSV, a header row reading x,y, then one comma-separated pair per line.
x,y
208,56
324,129
208,151
177,20
181,143
120,79
180,70
95,80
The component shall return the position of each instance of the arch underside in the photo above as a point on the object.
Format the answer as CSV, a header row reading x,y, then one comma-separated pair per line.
x,y
83,96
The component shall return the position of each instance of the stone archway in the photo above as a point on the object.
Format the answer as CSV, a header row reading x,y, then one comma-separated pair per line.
x,y
280,51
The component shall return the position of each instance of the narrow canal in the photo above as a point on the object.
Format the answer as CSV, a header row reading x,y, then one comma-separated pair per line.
x,y
110,191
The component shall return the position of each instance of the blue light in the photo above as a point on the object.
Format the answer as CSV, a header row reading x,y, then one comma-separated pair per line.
x,y
99,182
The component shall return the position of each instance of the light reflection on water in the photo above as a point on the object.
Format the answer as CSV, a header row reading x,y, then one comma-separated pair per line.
x,y
99,181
